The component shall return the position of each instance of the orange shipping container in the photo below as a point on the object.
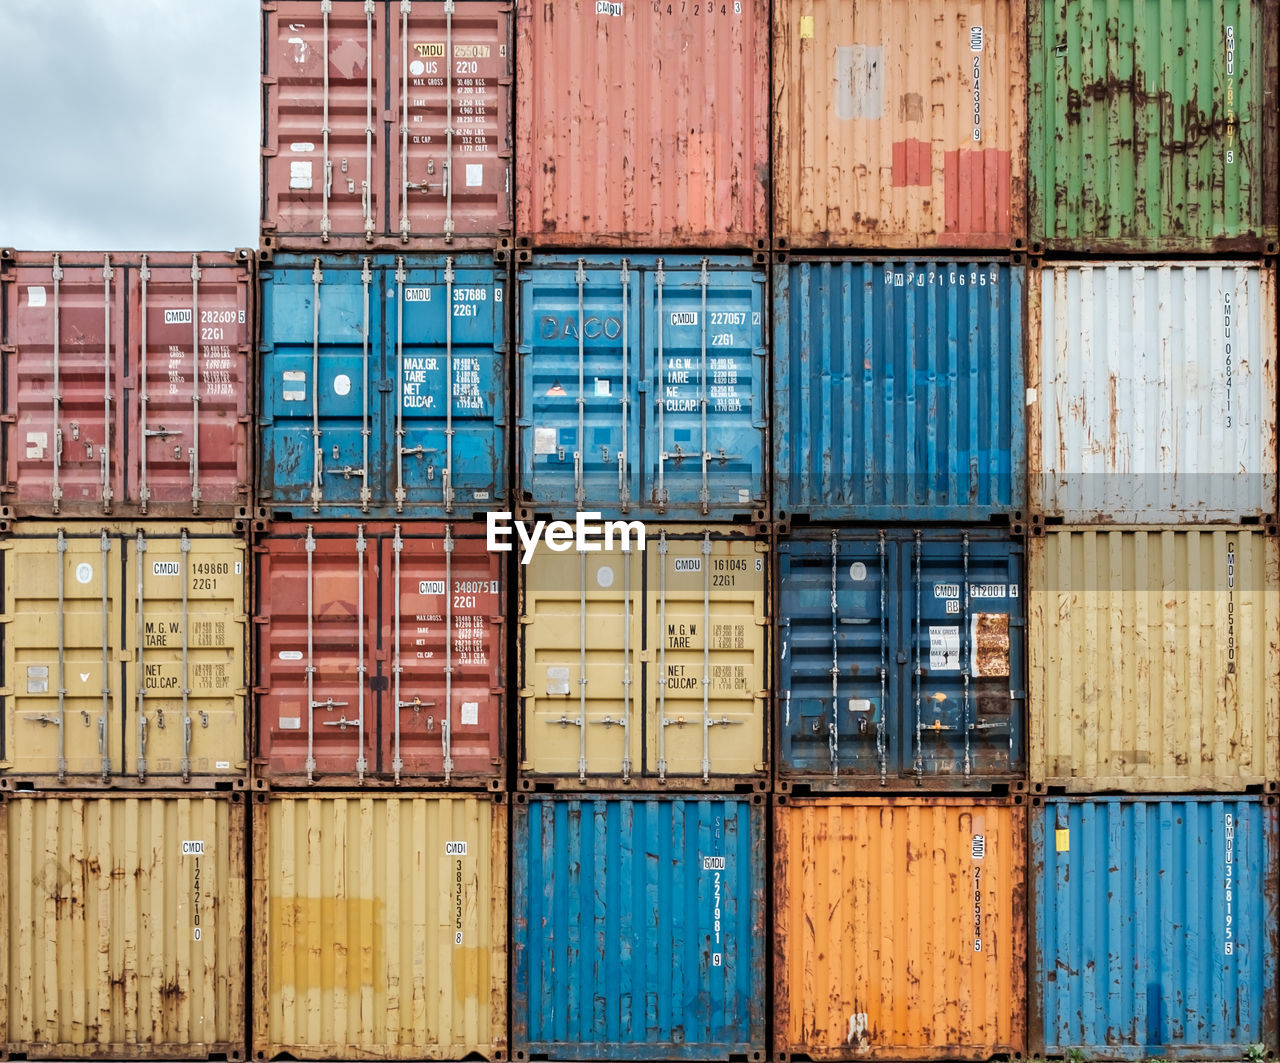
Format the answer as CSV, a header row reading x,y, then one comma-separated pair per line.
x,y
899,928
900,124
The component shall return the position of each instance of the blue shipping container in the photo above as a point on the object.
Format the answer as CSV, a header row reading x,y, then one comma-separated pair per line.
x,y
638,928
1155,926
898,390
383,384
641,387
902,657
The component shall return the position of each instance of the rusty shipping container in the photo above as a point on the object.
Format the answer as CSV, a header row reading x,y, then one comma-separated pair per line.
x,y
1154,660
380,655
385,124
1154,134
124,930
646,666
642,124
899,124
380,926
127,384
125,659
1152,392
899,928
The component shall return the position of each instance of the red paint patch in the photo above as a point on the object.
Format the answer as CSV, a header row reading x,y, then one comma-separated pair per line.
x,y
976,190
911,163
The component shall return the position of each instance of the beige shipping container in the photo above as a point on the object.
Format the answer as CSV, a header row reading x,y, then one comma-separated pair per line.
x,y
646,665
124,654
379,926
1155,664
900,124
124,930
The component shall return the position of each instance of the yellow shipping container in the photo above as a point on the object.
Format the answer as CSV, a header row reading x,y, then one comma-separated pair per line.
x,y
124,929
380,926
646,664
124,653
1155,661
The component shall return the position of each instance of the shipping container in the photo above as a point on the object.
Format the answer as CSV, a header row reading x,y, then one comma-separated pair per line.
x,y
900,124
642,386
127,390
125,659
649,130
638,928
124,932
384,384
386,125
901,659
380,655
646,665
1155,664
1153,135
1153,393
898,390
380,926
1154,929
899,928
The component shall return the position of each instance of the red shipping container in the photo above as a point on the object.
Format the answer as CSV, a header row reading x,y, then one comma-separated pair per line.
x,y
358,679
642,124
386,125
127,384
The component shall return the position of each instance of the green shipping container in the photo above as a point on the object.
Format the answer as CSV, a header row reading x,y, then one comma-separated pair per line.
x,y
1153,125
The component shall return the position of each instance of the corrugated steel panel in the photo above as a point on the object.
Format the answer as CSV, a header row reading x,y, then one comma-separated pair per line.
x,y
649,666
900,124
1155,660
1153,392
1153,134
127,384
899,928
642,128
409,400
898,390
1154,927
386,125
123,936
380,927
125,657
667,358
380,654
902,658
639,928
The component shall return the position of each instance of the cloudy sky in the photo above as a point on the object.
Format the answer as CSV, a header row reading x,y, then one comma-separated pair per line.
x,y
129,124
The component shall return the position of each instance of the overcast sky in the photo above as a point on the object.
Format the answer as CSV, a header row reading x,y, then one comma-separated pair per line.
x,y
129,124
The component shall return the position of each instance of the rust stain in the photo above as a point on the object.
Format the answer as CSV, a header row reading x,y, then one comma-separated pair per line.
x,y
991,644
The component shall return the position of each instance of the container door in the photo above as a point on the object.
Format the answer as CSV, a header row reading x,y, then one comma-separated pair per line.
x,y
445,352
706,647
186,425
581,377
62,652
444,627
705,358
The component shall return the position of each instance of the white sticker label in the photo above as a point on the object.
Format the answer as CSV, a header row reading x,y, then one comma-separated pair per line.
x,y
431,586
979,846
946,590
475,174
604,576
743,495
557,680
295,386
1031,396
455,848
342,384
988,590
290,655
300,174
222,765
975,38
859,704
608,7
36,296
291,723
177,317
84,572
37,444
687,564
193,848
480,496
166,568
470,713
684,317
417,68
417,295
544,441
858,571
302,145
713,863
37,679
944,649
602,386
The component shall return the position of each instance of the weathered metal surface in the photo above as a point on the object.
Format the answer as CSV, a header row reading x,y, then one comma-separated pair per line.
x,y
123,933
899,928
900,124
642,124
1153,392
898,390
385,124
127,384
380,927
1154,927
380,655
1154,135
1154,659
639,928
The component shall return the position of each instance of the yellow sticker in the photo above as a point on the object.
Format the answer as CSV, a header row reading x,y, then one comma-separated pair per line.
x,y
806,27
1063,838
